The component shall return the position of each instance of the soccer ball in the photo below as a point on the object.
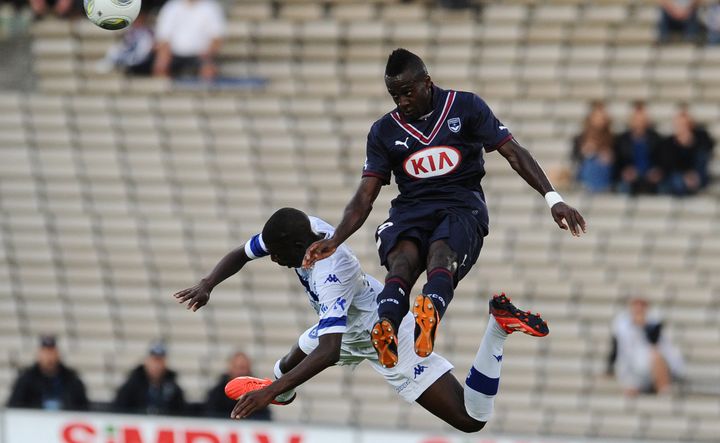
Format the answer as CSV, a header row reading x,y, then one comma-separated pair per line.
x,y
112,14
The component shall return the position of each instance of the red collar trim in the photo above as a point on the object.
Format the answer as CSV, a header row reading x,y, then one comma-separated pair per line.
x,y
415,133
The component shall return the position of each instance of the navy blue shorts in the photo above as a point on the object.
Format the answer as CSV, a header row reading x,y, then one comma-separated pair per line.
x,y
462,228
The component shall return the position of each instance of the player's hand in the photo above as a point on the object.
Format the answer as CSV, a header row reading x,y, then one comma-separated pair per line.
x,y
252,402
319,250
568,217
196,296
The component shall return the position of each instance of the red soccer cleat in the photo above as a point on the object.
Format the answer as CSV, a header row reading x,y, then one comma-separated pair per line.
x,y
512,319
239,386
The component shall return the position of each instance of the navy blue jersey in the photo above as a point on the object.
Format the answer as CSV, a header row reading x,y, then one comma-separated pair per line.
x,y
439,159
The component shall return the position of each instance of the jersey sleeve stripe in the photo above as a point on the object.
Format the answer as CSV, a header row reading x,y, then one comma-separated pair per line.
x,y
384,178
255,247
330,322
506,139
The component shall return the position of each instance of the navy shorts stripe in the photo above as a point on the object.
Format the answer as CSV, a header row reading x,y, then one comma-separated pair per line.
x,y
332,321
481,383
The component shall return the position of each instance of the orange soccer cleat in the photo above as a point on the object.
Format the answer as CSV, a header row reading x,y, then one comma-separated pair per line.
x,y
427,320
239,386
384,340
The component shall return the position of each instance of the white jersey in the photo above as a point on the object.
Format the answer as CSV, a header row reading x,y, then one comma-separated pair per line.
x,y
340,292
345,300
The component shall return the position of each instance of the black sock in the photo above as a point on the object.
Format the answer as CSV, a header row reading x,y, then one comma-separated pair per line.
x,y
393,302
439,288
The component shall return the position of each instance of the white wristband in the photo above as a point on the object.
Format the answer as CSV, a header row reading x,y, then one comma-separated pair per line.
x,y
552,198
276,370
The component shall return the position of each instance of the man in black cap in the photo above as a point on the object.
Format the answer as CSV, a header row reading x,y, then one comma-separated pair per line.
x,y
151,388
48,384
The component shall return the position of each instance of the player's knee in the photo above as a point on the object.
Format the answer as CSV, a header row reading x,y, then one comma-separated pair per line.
x,y
469,425
442,256
404,265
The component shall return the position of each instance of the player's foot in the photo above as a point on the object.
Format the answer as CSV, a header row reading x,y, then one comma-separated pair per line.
x,y
512,319
239,386
384,340
427,320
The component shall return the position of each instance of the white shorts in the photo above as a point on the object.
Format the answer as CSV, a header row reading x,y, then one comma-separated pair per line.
x,y
410,377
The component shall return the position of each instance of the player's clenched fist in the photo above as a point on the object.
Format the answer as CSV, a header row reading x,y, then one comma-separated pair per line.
x,y
317,251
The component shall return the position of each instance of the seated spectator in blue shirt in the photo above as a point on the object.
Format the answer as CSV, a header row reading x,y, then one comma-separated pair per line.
x,y
48,384
593,151
679,16
684,157
636,170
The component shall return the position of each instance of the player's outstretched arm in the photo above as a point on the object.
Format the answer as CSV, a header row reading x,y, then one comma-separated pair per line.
x,y
356,212
325,355
528,168
198,296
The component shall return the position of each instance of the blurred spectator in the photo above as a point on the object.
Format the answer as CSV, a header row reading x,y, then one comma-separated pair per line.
x,y
151,388
679,16
641,356
217,403
134,53
685,156
189,35
60,8
152,7
48,384
712,23
593,150
636,170
454,4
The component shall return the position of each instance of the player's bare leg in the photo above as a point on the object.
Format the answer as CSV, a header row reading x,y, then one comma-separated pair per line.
x,y
469,407
429,307
445,400
405,266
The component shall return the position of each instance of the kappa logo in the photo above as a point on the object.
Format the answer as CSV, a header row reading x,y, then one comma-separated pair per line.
x,y
313,332
332,278
405,143
454,124
418,370
432,162
340,302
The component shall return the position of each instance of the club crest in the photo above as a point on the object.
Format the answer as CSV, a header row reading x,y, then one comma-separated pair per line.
x,y
454,124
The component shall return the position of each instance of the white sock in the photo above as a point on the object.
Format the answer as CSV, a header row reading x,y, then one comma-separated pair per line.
x,y
483,380
287,395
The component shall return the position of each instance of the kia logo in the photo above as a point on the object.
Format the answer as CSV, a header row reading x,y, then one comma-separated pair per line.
x,y
432,162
